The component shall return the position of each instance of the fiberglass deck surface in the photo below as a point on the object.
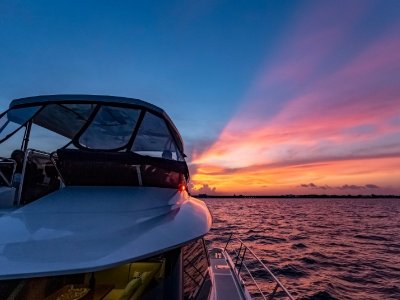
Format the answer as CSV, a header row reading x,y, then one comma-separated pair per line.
x,y
226,286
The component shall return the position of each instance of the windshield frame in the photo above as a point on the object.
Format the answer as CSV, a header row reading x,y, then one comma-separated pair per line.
x,y
75,139
24,124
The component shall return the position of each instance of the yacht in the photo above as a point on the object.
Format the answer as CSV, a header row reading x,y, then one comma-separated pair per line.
x,y
94,205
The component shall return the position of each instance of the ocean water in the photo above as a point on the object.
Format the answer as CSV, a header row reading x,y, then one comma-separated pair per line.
x,y
318,248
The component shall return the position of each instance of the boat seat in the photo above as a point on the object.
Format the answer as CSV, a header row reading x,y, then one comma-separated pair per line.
x,y
161,177
106,168
125,293
120,276
97,168
130,280
40,178
146,278
117,276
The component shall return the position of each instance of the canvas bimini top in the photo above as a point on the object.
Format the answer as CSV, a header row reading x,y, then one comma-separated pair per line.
x,y
88,137
97,122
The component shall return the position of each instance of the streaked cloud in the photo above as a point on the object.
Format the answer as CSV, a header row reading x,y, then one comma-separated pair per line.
x,y
343,187
204,189
287,178
324,111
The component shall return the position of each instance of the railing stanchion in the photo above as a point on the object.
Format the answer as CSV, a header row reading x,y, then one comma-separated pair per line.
x,y
238,255
237,267
227,242
273,292
241,261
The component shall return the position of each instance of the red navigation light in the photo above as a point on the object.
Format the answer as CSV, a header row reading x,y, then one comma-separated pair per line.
x,y
182,188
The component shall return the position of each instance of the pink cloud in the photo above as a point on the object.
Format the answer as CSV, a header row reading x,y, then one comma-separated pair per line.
x,y
382,56
313,37
346,113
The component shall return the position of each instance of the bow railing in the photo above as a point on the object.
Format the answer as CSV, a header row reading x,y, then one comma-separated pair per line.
x,y
240,257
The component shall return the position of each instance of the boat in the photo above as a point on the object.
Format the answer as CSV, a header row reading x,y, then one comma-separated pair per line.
x,y
94,204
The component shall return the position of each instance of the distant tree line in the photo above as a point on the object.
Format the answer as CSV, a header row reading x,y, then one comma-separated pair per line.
x,y
298,196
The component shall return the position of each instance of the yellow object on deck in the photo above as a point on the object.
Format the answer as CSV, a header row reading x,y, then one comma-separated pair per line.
x,y
130,280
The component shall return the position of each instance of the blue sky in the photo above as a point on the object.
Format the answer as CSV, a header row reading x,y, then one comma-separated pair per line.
x,y
196,59
251,85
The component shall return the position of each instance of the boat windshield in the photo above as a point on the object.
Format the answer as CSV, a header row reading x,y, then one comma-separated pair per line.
x,y
96,126
13,120
111,128
88,144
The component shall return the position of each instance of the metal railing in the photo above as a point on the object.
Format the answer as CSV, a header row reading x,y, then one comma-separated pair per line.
x,y
238,261
4,163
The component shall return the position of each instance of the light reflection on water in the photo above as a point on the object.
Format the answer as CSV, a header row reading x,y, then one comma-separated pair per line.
x,y
319,248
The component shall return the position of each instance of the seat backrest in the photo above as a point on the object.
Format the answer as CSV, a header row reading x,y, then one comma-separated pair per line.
x,y
118,276
87,168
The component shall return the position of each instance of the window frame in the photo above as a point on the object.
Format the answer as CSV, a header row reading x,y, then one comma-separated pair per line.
x,y
75,139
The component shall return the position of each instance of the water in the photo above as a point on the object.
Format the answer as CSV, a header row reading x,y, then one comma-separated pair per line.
x,y
319,248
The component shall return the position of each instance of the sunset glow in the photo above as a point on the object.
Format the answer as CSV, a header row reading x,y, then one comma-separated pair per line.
x,y
319,118
270,97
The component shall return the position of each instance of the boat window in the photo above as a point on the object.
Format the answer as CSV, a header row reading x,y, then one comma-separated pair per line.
x,y
155,139
195,268
111,128
64,119
148,279
14,119
12,143
7,168
46,140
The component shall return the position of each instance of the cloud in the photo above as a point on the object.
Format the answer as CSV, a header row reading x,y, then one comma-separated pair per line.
x,y
351,187
314,186
205,189
359,187
371,186
284,178
343,187
308,185
316,112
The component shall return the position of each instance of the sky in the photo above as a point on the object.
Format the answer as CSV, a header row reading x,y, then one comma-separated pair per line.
x,y
271,97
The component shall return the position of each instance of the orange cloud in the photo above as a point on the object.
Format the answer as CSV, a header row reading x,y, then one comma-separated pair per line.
x,y
340,129
381,172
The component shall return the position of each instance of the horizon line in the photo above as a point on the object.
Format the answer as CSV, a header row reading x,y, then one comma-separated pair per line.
x,y
369,196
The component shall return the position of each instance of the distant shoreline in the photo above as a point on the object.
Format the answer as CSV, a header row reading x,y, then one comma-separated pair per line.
x,y
372,196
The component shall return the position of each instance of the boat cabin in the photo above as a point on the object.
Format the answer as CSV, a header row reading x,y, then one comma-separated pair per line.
x,y
50,141
94,204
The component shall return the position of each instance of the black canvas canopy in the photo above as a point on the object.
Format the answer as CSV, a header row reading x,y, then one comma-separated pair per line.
x,y
98,122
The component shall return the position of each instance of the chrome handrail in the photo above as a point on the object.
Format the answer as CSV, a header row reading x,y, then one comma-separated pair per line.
x,y
53,158
5,161
28,152
240,262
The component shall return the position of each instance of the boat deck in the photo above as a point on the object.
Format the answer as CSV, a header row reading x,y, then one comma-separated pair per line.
x,y
226,286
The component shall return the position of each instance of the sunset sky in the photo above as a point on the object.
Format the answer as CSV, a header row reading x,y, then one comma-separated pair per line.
x,y
271,97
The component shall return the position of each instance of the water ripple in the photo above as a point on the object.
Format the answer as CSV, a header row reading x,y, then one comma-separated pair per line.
x,y
319,248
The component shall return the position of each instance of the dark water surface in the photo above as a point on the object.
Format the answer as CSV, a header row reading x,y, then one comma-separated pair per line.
x,y
319,248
